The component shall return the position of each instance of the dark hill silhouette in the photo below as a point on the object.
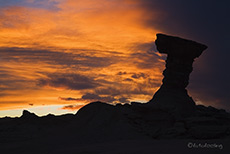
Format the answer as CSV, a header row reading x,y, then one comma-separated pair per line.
x,y
171,114
29,116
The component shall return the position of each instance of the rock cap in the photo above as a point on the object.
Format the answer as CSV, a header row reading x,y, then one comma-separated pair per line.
x,y
172,45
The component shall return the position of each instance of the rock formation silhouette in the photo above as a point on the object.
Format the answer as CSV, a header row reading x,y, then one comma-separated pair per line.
x,y
172,95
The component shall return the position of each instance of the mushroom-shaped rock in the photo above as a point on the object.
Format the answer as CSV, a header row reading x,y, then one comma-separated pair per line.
x,y
172,95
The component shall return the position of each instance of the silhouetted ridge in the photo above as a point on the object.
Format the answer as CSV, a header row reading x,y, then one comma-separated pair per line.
x,y
28,115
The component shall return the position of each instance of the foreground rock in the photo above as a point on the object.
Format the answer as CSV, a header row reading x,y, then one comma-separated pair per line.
x,y
103,122
100,123
139,121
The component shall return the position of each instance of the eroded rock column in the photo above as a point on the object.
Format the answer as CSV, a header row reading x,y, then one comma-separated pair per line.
x,y
172,95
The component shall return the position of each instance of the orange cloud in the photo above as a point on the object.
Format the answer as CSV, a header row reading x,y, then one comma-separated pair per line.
x,y
103,24
94,39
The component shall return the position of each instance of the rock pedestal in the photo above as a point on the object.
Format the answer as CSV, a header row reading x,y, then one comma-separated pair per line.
x,y
172,95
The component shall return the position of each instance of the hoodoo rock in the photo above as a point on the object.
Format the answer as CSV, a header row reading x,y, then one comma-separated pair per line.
x,y
172,95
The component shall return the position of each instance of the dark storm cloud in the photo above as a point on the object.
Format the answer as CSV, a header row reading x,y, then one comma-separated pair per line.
x,y
68,81
210,95
90,97
194,18
2,94
128,79
114,91
205,21
79,60
108,91
72,107
9,81
68,99
76,59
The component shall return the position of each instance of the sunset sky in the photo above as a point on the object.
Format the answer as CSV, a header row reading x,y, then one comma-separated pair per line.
x,y
58,55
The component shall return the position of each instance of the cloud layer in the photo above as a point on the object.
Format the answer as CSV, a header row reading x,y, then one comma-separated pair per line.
x,y
73,52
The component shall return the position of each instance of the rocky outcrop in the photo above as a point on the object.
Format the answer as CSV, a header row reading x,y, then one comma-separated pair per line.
x,y
138,121
28,115
172,95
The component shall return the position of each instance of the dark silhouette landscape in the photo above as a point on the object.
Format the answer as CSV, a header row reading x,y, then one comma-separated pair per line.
x,y
170,122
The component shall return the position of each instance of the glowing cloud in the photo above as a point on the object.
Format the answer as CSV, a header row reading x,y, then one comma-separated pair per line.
x,y
76,49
